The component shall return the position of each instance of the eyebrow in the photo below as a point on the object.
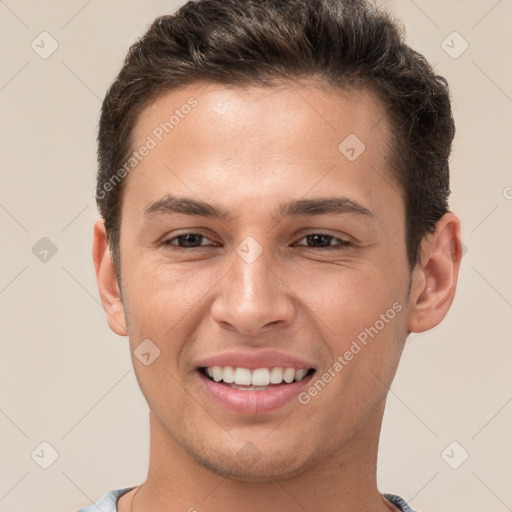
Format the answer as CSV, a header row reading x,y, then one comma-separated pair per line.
x,y
300,207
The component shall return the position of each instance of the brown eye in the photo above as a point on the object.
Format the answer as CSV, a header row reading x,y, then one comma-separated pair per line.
x,y
186,241
323,241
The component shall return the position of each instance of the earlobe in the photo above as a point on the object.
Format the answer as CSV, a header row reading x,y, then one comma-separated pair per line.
x,y
106,278
435,277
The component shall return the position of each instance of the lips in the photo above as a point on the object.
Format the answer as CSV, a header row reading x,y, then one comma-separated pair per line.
x,y
249,382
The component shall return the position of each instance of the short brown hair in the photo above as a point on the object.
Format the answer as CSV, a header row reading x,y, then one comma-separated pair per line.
x,y
268,42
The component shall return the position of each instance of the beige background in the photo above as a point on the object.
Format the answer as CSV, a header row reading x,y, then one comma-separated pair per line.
x,y
67,380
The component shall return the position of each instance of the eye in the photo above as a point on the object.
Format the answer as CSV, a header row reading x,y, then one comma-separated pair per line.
x,y
186,240
193,240
323,241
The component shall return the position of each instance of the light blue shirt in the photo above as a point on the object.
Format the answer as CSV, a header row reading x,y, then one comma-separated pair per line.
x,y
108,502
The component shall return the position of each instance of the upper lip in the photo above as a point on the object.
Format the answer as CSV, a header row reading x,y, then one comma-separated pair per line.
x,y
264,358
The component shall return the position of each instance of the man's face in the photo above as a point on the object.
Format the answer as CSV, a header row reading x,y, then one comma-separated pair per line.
x,y
256,290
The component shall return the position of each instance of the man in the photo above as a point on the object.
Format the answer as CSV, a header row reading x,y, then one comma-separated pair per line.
x,y
273,183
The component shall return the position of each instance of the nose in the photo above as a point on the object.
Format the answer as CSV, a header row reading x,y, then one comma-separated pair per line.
x,y
253,297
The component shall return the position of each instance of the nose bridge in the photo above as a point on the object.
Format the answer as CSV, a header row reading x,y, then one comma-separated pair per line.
x,y
252,267
252,296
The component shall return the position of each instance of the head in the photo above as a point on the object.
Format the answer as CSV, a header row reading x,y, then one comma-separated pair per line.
x,y
249,106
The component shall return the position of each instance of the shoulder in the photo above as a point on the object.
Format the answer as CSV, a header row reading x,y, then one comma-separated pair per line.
x,y
108,502
399,502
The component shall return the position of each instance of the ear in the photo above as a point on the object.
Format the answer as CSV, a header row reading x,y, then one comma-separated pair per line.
x,y
107,280
435,277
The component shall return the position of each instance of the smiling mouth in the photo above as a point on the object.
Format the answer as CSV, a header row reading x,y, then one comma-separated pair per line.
x,y
258,379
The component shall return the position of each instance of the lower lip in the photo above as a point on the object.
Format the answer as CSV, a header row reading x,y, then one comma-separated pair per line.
x,y
251,402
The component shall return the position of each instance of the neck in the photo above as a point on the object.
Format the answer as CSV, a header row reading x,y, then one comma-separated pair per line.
x,y
346,481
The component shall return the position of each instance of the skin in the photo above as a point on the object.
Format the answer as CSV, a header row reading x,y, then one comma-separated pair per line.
x,y
247,150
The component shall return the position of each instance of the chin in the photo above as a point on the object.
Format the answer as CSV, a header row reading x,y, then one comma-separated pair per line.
x,y
250,464
267,470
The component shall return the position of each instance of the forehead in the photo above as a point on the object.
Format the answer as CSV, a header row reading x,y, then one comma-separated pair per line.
x,y
303,108
291,137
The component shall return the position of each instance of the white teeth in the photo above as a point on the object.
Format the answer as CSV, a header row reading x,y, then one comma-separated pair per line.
x,y
259,377
243,376
217,373
276,376
289,375
229,375
300,374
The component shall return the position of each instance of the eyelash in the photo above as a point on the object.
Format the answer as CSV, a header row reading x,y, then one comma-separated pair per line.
x,y
344,244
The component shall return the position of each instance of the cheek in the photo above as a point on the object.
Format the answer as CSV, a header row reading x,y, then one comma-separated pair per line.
x,y
348,300
161,294
363,325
